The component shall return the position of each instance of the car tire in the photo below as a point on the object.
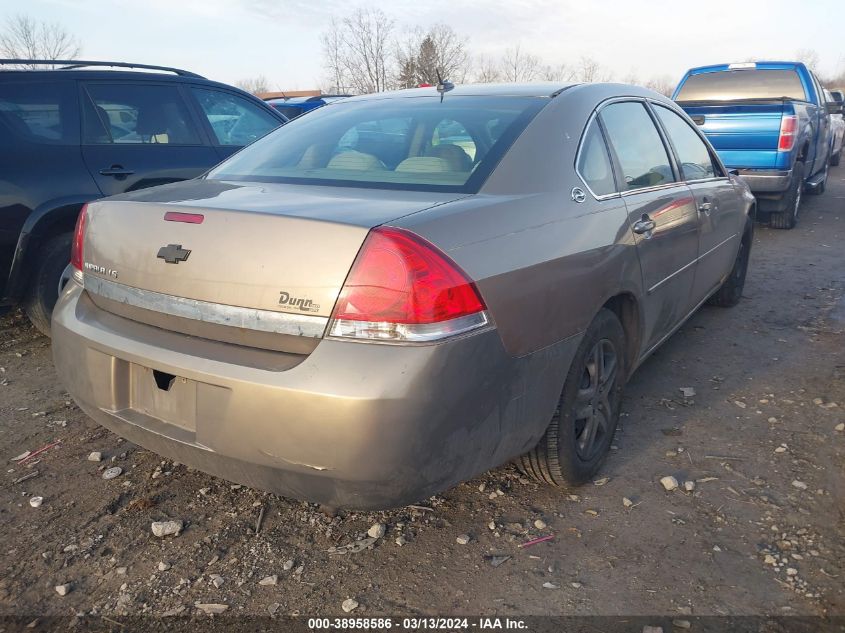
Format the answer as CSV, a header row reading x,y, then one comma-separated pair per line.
x,y
789,217
834,160
581,430
43,291
730,292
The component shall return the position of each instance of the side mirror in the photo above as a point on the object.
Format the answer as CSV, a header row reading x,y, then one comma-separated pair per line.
x,y
833,107
733,172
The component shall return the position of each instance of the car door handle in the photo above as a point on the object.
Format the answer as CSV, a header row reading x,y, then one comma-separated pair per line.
x,y
644,225
116,170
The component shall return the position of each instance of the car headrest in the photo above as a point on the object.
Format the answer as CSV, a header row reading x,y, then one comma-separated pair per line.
x,y
424,164
356,161
456,156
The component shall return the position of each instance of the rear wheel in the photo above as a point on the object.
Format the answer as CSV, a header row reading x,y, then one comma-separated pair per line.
x,y
834,160
731,290
787,218
579,435
43,292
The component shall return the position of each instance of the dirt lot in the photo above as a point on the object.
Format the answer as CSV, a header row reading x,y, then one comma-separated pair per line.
x,y
761,533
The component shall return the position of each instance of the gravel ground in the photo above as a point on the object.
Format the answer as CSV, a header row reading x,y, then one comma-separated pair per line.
x,y
761,532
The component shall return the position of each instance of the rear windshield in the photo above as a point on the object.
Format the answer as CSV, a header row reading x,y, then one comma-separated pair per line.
x,y
734,85
417,143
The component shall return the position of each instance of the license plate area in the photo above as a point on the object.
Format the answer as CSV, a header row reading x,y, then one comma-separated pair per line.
x,y
164,396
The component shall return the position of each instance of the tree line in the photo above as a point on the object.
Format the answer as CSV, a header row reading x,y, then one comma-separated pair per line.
x,y
366,51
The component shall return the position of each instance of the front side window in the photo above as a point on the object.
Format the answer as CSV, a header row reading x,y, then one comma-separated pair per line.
x,y
637,144
39,112
594,163
137,114
234,120
419,143
695,159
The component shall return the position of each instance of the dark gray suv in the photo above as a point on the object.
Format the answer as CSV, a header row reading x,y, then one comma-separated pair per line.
x,y
85,130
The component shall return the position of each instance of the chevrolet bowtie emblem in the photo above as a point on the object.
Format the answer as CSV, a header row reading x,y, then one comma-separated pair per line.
x,y
173,253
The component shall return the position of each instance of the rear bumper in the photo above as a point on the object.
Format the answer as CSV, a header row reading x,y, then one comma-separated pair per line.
x,y
767,181
358,425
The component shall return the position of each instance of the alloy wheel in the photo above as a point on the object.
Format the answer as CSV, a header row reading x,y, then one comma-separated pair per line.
x,y
594,402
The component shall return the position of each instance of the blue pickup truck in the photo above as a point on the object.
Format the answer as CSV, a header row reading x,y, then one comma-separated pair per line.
x,y
770,122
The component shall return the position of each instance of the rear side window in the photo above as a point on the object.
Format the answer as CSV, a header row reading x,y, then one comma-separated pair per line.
x,y
137,114
39,112
732,85
594,162
637,145
234,120
695,159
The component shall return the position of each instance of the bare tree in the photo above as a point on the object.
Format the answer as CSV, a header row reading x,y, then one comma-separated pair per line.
x,y
333,49
24,37
662,84
631,78
519,66
255,85
424,53
560,72
356,51
486,70
810,58
589,70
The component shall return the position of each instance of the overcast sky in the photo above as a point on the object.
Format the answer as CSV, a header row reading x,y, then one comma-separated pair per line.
x,y
229,40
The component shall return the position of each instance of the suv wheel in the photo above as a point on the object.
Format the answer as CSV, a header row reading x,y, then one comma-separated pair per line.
x,y
789,217
43,292
582,428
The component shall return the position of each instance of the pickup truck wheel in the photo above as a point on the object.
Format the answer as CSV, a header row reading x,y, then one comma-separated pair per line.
x,y
579,435
787,218
43,291
729,294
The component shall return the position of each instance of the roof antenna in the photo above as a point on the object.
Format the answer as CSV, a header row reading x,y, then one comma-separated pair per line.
x,y
443,86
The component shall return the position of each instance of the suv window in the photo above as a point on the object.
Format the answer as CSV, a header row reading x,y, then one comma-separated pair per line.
x,y
695,159
137,114
594,163
234,120
40,112
638,146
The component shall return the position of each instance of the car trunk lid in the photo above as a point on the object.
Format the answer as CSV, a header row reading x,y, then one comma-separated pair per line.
x,y
236,262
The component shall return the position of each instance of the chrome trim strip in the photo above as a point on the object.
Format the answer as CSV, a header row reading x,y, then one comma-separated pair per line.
x,y
666,185
217,313
695,261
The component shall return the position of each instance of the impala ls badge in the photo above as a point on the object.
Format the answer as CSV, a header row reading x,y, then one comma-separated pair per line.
x,y
173,253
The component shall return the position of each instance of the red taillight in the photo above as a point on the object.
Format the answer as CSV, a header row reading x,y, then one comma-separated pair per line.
x,y
401,287
788,127
76,248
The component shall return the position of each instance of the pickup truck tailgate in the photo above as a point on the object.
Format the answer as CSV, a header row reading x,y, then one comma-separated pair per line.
x,y
745,136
